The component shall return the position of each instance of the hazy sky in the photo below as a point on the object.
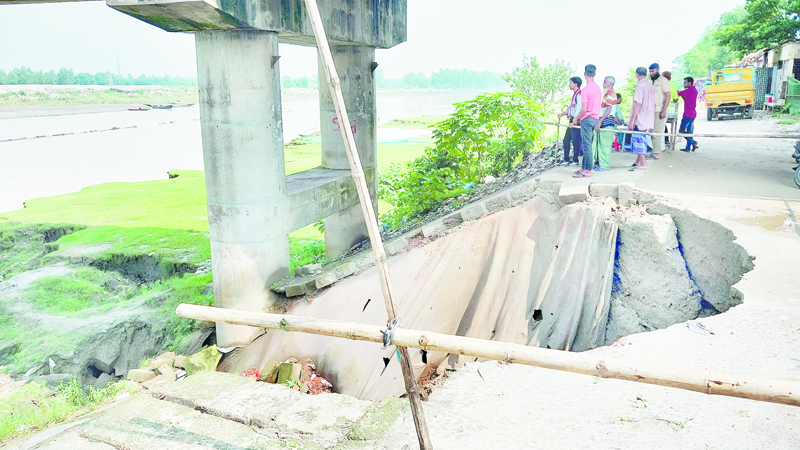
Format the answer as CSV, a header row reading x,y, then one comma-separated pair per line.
x,y
472,34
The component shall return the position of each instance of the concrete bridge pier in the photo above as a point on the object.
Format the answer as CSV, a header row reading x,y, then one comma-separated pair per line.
x,y
241,121
355,64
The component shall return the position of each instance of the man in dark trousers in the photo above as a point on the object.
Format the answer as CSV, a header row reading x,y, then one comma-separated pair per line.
x,y
689,96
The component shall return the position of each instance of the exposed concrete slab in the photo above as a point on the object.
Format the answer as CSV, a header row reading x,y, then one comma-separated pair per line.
x,y
499,202
603,190
322,415
396,246
474,211
146,423
625,194
319,192
433,229
231,397
374,23
573,194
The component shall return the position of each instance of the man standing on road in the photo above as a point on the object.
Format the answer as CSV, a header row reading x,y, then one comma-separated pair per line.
x,y
642,117
573,133
661,103
689,96
587,118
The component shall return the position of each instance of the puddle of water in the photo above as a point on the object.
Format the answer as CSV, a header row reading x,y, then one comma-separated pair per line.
x,y
770,223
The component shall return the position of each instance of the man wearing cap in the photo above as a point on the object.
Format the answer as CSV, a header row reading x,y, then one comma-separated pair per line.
x,y
661,91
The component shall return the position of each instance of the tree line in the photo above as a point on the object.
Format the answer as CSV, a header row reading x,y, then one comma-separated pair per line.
x,y
443,79
24,75
756,25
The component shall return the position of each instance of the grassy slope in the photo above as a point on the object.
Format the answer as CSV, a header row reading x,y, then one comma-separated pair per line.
x,y
165,219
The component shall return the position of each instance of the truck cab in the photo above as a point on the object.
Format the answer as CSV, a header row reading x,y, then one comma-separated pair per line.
x,y
731,93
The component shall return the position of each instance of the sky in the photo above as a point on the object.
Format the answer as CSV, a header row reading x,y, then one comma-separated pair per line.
x,y
454,34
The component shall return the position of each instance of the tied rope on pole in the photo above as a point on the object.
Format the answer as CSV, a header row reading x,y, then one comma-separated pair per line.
x,y
369,216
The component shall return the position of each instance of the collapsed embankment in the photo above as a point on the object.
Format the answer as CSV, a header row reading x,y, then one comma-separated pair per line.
x,y
543,273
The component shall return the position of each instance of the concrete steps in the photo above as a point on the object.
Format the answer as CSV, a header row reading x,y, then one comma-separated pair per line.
x,y
223,411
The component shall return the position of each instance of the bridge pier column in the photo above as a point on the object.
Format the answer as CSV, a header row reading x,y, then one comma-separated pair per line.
x,y
354,65
241,121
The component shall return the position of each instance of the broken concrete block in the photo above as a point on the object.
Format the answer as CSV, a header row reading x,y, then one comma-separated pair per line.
x,y
573,194
473,212
307,269
345,270
452,221
364,260
140,375
158,380
102,380
643,197
300,287
158,362
499,203
307,367
167,372
179,359
326,280
523,191
288,372
396,246
433,229
206,359
170,355
269,373
603,190
552,186
625,194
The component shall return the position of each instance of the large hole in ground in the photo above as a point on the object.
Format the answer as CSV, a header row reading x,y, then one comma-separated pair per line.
x,y
569,277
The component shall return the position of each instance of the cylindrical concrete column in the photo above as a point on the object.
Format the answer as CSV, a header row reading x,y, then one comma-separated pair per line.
x,y
354,65
240,117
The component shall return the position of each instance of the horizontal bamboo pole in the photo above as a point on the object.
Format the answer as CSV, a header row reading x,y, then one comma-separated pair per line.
x,y
713,383
701,135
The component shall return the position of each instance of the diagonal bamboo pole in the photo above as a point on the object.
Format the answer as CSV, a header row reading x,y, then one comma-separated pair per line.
x,y
369,216
707,382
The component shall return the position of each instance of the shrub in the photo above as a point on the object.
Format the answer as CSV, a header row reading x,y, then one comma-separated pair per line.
x,y
487,135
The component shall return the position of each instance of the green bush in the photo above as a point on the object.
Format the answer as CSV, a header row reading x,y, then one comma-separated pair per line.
x,y
487,135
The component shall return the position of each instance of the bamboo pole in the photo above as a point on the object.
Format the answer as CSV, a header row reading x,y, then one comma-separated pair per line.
x,y
702,135
707,382
369,217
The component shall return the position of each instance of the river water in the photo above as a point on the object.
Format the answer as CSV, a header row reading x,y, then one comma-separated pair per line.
x,y
48,155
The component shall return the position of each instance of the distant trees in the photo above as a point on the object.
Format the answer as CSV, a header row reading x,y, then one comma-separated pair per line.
x,y
443,79
24,75
545,84
301,82
760,24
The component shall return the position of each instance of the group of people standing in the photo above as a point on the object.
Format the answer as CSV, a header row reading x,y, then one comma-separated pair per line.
x,y
591,109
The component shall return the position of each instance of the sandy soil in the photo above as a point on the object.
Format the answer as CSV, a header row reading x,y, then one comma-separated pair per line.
x,y
744,184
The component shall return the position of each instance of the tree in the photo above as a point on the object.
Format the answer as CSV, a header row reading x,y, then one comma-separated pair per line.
x,y
544,84
764,24
84,78
66,76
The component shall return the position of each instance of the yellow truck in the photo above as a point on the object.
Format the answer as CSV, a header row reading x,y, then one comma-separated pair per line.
x,y
731,93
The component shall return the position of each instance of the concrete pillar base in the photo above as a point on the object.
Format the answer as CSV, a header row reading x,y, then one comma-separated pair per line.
x,y
354,65
240,114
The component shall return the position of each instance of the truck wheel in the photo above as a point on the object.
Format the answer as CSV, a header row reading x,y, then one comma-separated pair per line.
x,y
797,177
749,113
709,114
